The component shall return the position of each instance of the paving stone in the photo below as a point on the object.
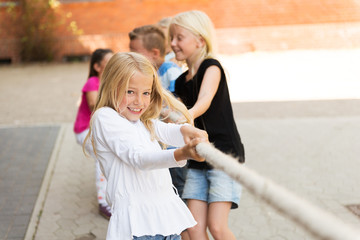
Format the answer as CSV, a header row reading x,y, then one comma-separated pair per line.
x,y
67,223
83,229
87,236
100,232
4,229
17,232
64,233
26,154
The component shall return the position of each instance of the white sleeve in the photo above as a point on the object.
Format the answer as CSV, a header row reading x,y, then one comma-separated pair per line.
x,y
169,133
115,135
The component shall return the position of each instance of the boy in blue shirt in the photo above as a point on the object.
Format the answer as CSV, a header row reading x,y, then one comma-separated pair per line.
x,y
150,41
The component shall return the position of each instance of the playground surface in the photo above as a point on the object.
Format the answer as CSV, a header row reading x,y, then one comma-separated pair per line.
x,y
297,112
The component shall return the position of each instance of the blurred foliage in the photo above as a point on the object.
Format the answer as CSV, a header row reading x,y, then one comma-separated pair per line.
x,y
37,23
73,28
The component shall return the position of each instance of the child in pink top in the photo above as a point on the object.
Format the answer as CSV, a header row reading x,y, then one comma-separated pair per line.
x,y
99,59
84,112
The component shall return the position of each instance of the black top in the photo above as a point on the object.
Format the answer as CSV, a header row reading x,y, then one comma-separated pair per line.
x,y
218,121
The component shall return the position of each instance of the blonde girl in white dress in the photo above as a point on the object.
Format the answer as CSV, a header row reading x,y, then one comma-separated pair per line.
x,y
125,132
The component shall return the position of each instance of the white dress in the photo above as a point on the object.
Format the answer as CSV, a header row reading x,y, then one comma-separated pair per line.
x,y
139,188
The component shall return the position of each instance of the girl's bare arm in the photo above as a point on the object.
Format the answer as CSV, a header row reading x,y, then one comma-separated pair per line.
x,y
207,91
91,99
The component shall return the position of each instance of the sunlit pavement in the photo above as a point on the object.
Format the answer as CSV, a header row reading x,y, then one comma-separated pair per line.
x,y
297,113
294,75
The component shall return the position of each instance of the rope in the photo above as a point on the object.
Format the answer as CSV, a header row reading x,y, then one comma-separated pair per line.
x,y
316,221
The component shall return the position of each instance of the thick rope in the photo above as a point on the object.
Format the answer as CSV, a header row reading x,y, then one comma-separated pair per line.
x,y
314,220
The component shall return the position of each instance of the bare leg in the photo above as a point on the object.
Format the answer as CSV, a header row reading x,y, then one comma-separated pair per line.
x,y
185,235
218,215
199,211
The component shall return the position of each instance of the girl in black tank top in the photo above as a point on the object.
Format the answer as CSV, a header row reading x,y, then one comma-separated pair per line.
x,y
203,89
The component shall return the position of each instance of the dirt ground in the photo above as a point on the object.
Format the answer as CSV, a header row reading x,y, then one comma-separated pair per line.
x,y
262,84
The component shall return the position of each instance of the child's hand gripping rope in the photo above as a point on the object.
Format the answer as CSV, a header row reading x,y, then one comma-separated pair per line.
x,y
192,137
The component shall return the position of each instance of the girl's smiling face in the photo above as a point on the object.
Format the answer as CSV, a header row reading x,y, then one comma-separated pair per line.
x,y
183,42
137,97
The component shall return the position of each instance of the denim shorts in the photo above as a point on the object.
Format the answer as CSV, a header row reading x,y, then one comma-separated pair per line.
x,y
211,186
158,237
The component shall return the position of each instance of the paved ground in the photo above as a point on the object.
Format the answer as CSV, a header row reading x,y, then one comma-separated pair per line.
x,y
310,147
24,154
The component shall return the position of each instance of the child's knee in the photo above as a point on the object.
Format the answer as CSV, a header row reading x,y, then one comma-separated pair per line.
x,y
217,229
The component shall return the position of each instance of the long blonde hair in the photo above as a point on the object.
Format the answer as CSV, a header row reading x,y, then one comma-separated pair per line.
x,y
114,84
200,25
